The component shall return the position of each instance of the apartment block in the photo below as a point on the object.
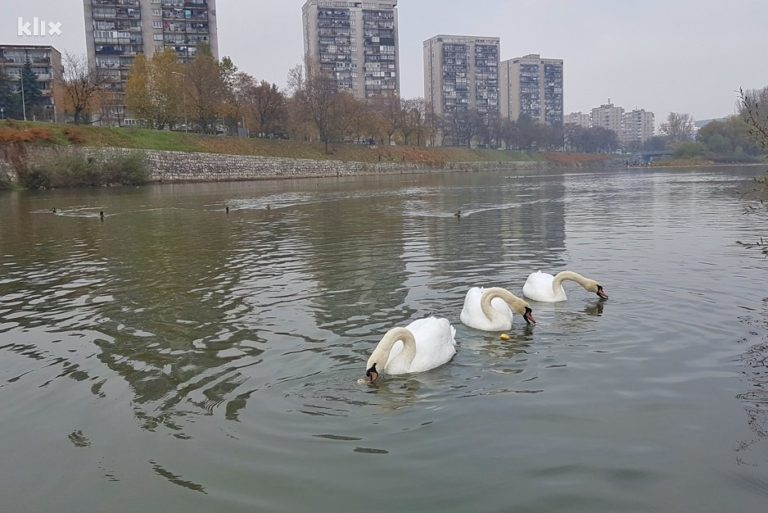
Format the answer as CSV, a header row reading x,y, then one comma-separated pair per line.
x,y
533,87
637,127
45,62
608,116
356,42
118,30
462,73
579,119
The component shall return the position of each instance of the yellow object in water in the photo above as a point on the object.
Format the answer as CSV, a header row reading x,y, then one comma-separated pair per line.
x,y
504,336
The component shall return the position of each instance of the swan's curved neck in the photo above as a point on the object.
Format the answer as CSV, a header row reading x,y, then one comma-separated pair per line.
x,y
380,355
515,303
570,276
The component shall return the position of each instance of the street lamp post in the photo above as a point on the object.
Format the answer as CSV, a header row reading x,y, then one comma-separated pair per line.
x,y
23,101
183,100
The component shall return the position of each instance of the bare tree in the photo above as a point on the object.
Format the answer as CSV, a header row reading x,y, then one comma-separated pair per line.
x,y
81,85
463,126
319,99
754,110
414,120
296,80
359,120
266,107
300,126
591,140
390,109
432,122
678,127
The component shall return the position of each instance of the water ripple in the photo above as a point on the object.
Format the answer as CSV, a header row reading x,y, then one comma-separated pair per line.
x,y
229,347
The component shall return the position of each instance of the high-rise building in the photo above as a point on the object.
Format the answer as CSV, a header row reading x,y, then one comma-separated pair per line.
x,y
118,30
45,62
462,73
533,87
356,42
637,126
579,119
608,116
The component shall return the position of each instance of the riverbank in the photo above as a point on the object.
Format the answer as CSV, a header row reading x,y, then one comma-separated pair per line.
x,y
184,167
180,157
61,135
689,163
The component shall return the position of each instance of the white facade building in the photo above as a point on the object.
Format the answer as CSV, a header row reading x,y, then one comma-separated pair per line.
x,y
637,127
608,116
579,119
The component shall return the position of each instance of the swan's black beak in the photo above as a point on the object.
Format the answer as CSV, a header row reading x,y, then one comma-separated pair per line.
x,y
528,316
372,374
601,292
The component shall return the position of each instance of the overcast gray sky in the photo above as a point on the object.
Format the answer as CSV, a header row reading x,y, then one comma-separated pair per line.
x,y
662,55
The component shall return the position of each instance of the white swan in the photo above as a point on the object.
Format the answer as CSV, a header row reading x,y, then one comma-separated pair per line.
x,y
491,309
423,345
549,289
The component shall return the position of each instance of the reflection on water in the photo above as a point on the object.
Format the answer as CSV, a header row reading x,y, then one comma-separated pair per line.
x,y
596,308
211,359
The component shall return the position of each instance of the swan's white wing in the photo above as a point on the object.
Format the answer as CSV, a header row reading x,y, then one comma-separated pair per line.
x,y
472,314
435,343
502,307
538,287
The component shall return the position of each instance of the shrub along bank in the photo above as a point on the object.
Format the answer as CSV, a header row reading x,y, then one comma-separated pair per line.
x,y
76,169
63,165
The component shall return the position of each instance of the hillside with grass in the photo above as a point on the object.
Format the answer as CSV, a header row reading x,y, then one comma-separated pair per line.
x,y
146,139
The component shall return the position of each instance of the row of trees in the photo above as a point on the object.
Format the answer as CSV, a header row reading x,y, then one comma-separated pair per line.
x,y
206,95
211,96
727,139
461,129
163,92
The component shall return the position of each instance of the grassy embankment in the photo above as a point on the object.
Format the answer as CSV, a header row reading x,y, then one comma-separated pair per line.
x,y
145,139
16,137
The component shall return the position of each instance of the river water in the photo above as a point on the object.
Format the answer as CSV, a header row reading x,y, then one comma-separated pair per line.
x,y
177,358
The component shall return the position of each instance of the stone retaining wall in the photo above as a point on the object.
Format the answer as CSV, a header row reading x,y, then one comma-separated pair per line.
x,y
172,166
6,172
169,166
